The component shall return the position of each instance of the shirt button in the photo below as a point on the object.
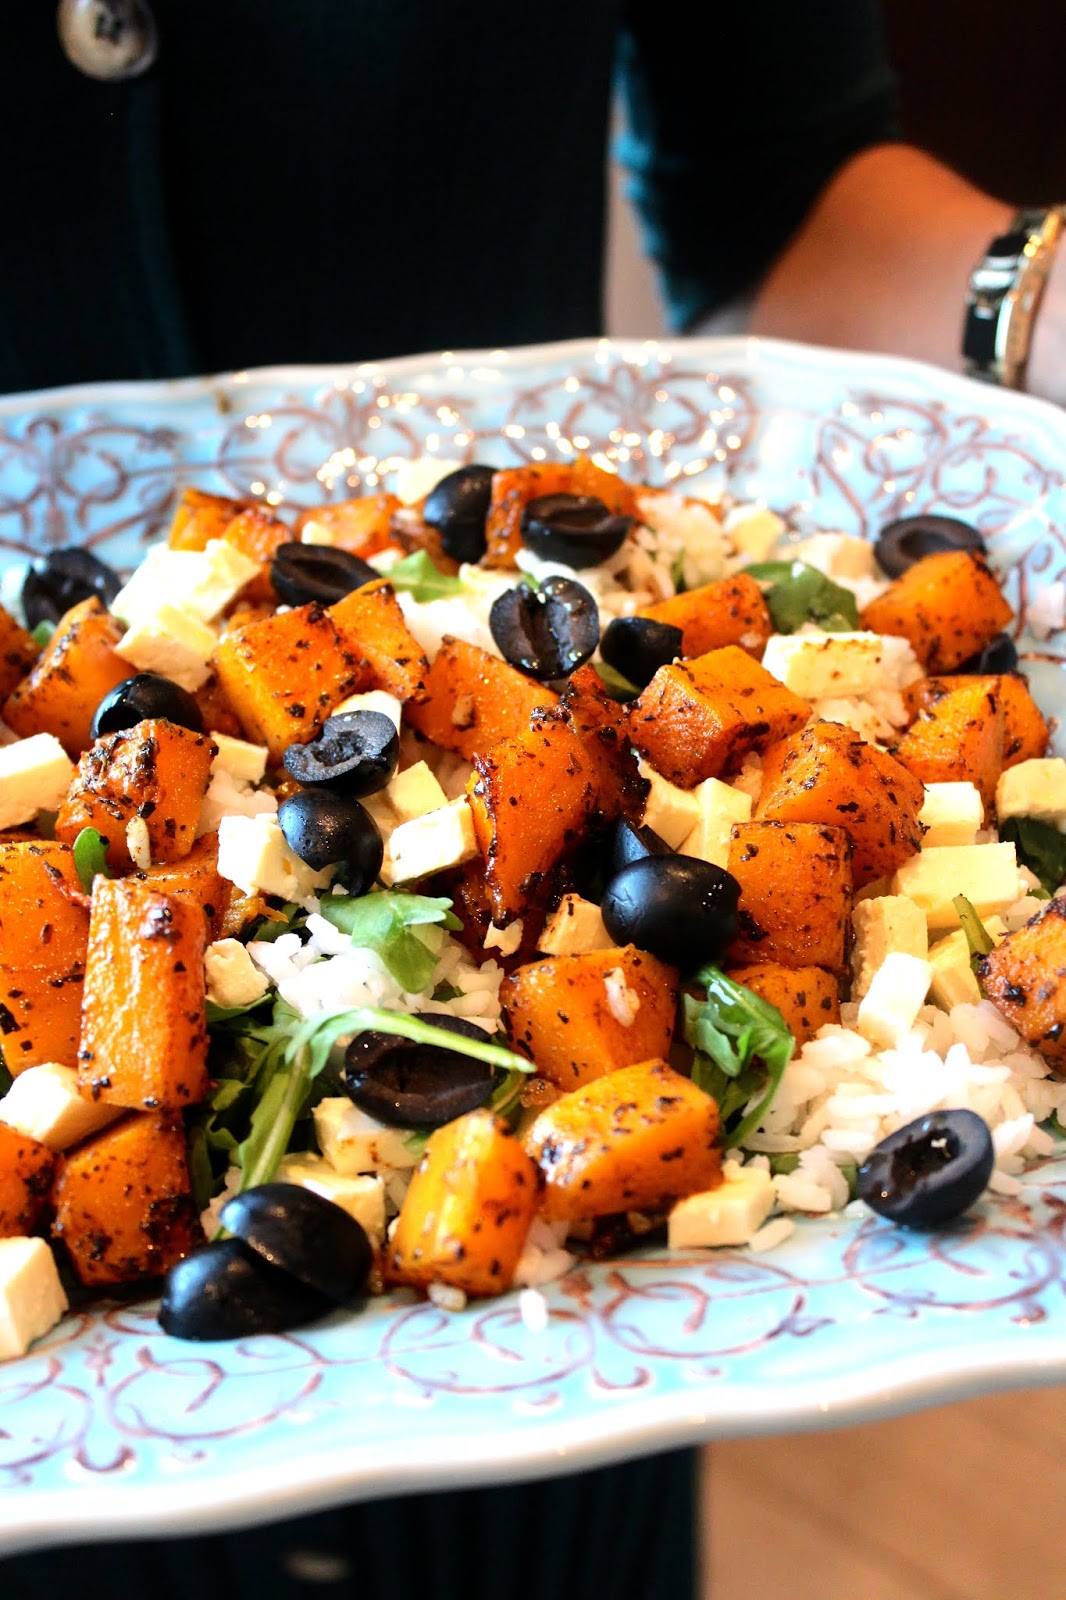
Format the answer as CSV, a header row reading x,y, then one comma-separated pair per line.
x,y
107,39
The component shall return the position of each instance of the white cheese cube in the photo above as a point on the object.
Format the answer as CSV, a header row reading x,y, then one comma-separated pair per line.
x,y
352,1141
35,774
44,1104
414,792
987,874
414,479
202,582
505,940
252,853
880,927
897,992
1034,789
728,1215
670,812
838,555
574,928
720,806
232,977
362,1195
373,700
172,642
754,532
820,665
953,982
432,843
952,813
243,761
314,532
227,796
32,1299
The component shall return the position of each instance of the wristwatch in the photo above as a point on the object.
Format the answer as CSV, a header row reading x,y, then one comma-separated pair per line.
x,y
1006,287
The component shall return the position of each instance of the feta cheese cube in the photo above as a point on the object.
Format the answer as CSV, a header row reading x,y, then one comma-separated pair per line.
x,y
897,992
432,843
227,796
241,760
35,774
172,642
44,1104
362,1195
414,792
505,940
1034,789
820,665
753,531
574,928
373,700
314,532
670,812
720,806
838,555
952,813
728,1215
253,854
353,1142
987,874
233,979
880,927
32,1299
413,480
953,982
202,582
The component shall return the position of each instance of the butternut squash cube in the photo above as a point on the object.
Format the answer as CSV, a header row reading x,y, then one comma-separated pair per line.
x,y
18,652
1025,735
200,517
362,526
63,690
602,726
196,879
44,932
578,1017
372,627
948,605
468,1209
1025,979
26,1170
728,611
807,997
795,894
960,740
473,700
514,487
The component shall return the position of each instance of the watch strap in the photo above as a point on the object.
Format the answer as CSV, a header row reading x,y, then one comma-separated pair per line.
x,y
1005,290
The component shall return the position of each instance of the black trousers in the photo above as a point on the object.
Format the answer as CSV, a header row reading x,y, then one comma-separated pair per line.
x,y
619,1533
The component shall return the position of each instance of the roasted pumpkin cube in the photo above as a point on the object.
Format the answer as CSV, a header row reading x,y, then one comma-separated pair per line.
x,y
195,879
123,1201
603,728
44,932
258,534
18,652
143,1024
473,700
514,487
961,740
1025,735
26,1171
155,770
795,893
728,611
578,1017
948,605
467,1210
1025,979
807,997
40,1014
200,517
372,627
283,675
828,774
215,710
634,1140
362,526
698,718
63,690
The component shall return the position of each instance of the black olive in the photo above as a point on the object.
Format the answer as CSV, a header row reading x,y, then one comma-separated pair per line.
x,y
302,1233
679,908
909,539
356,753
142,696
304,572
638,646
457,507
62,580
227,1291
632,843
577,530
999,655
324,828
930,1171
409,1085
547,632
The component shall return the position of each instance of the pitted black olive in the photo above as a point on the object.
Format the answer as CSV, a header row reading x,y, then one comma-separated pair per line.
x,y
140,697
301,573
638,646
577,530
930,1171
631,843
909,539
305,1235
325,828
999,655
548,632
409,1085
226,1291
63,579
356,753
457,507
679,908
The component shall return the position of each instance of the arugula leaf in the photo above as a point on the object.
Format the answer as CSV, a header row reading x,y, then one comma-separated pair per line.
x,y
742,1045
417,575
799,593
617,687
383,922
90,857
42,633
1040,847
978,938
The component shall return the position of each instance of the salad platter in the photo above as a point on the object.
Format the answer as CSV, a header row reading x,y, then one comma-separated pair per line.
x,y
108,1426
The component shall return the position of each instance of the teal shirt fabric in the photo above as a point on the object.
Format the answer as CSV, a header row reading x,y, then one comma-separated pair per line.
x,y
341,180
